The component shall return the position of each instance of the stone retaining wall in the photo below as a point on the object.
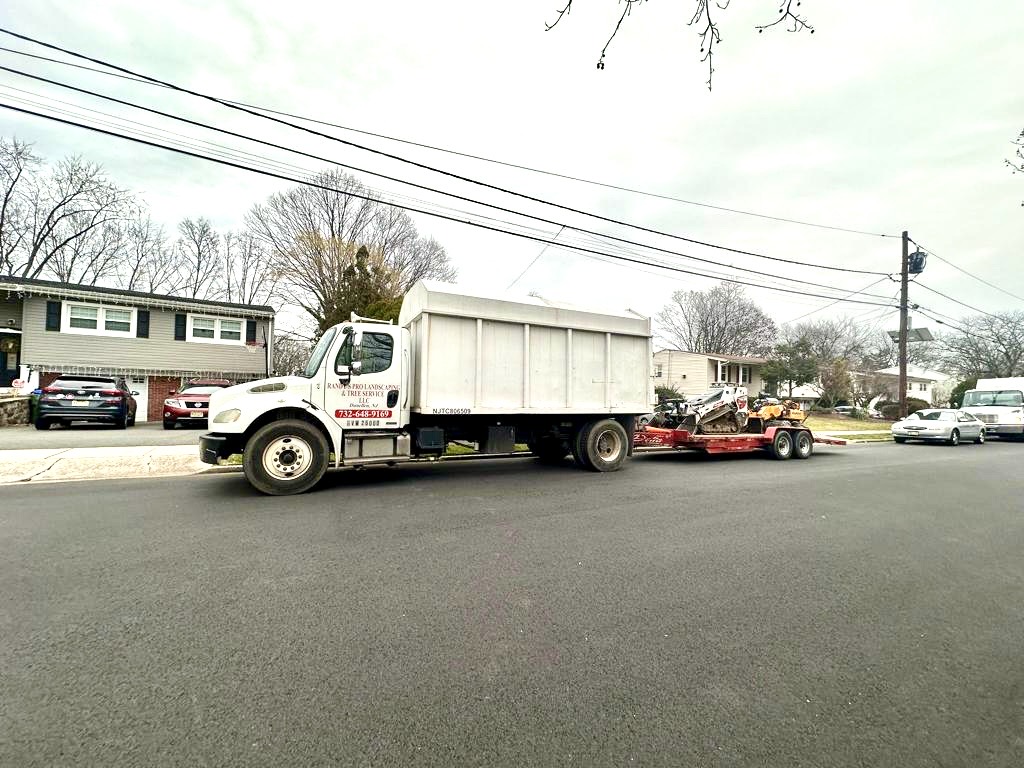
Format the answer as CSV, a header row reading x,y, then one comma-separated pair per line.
x,y
14,411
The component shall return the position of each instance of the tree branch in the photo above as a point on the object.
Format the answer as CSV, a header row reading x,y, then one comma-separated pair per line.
x,y
785,12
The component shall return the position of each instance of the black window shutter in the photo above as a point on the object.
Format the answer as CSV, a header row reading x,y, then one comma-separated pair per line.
x,y
179,327
142,324
250,331
53,315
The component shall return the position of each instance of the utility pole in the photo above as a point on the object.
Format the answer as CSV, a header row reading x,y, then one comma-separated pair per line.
x,y
904,280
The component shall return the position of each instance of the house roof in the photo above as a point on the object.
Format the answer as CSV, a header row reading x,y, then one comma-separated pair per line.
x,y
718,356
918,374
36,287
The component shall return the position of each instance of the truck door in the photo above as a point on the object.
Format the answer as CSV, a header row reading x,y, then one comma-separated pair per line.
x,y
366,391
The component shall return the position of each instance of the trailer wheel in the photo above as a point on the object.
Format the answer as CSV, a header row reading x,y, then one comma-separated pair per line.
x,y
803,445
782,445
605,445
285,457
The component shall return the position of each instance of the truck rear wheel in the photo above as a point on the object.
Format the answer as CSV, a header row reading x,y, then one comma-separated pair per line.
x,y
285,457
803,445
782,445
603,444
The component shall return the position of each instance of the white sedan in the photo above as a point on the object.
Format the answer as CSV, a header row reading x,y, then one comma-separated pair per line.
x,y
944,424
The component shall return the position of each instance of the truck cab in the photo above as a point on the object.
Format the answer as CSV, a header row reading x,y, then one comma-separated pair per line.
x,y
999,404
349,405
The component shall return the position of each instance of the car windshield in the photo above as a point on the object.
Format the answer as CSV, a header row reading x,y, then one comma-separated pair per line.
x,y
1008,397
200,390
75,383
317,356
935,415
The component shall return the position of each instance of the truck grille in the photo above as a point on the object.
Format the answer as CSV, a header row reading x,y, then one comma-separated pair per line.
x,y
988,418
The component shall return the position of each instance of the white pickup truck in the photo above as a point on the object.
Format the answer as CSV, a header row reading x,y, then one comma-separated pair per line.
x,y
458,366
999,403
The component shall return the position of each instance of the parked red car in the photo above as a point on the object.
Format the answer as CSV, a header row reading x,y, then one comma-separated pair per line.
x,y
191,405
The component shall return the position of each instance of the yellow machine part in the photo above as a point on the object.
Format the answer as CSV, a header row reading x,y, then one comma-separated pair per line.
x,y
784,411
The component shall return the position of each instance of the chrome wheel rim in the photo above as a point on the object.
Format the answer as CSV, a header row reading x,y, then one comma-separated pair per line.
x,y
609,445
287,458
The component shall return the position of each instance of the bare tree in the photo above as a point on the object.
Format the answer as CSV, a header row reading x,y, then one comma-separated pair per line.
x,y
149,262
290,353
721,320
1016,163
57,215
705,21
249,275
832,338
986,346
315,235
18,164
92,258
199,263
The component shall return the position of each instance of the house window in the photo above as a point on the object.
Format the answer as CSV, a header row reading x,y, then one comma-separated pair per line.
x,y
97,320
922,387
214,330
744,374
83,317
117,320
657,371
231,330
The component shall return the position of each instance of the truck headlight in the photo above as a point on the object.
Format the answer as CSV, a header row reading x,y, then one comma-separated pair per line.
x,y
228,416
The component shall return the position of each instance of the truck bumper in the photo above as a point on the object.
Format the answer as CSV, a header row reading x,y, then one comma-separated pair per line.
x,y
213,447
1004,429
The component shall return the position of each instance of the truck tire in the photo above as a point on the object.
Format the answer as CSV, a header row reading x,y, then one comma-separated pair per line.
x,y
604,444
782,445
803,445
285,457
577,445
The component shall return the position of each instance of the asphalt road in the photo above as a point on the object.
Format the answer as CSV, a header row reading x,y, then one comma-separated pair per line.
x,y
97,436
859,609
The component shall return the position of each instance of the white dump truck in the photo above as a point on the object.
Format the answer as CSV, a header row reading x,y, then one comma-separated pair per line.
x,y
459,366
999,403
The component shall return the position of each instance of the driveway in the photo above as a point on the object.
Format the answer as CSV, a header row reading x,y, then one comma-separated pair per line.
x,y
94,436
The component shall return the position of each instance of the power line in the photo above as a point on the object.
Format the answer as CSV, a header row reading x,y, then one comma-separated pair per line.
x,y
966,272
314,184
827,306
426,167
467,155
956,301
463,198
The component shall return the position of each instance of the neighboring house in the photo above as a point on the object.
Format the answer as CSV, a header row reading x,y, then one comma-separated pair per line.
x,y
931,386
156,342
693,372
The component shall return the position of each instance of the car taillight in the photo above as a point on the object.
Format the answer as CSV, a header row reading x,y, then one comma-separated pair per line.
x,y
111,392
51,390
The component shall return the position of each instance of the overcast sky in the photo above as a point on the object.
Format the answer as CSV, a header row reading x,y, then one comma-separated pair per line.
x,y
891,116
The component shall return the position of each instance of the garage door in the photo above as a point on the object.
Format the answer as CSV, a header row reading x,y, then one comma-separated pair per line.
x,y
140,384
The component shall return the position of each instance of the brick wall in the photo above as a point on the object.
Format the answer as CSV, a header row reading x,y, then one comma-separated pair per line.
x,y
160,388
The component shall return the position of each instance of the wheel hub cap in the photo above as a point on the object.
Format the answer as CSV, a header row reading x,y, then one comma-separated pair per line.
x,y
287,458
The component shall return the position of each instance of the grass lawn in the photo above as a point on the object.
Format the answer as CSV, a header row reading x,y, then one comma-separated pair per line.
x,y
827,422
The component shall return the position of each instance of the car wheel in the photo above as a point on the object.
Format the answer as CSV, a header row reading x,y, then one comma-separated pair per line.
x,y
170,424
803,445
42,424
981,438
286,457
782,445
954,437
899,439
121,422
131,420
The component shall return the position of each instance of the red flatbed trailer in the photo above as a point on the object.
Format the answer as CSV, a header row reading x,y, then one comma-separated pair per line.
x,y
782,442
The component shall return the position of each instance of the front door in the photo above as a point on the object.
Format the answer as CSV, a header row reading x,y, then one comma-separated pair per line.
x,y
369,398
10,357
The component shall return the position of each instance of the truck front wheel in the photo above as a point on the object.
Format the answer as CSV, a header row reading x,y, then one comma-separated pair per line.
x,y
286,457
603,445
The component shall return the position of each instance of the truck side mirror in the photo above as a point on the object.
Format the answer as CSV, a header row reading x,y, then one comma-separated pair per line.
x,y
343,372
356,367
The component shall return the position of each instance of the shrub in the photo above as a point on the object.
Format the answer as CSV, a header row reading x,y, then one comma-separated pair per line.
x,y
891,410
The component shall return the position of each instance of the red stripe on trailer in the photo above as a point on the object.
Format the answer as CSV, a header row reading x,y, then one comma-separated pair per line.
x,y
681,439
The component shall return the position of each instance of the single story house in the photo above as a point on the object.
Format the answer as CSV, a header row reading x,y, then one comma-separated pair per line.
x,y
156,342
694,372
931,386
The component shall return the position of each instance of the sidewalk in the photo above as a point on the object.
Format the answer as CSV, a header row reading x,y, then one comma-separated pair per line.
x,y
48,464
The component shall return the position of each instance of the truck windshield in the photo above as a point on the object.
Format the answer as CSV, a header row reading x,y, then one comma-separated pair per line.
x,y
319,351
1008,397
